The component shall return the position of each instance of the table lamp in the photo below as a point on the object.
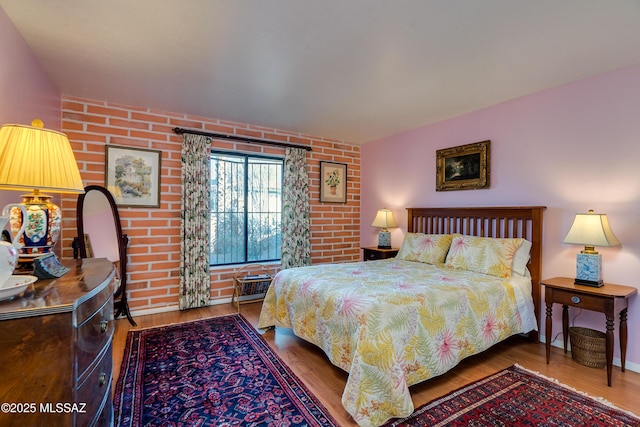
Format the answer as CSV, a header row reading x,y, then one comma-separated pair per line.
x,y
383,220
590,229
35,158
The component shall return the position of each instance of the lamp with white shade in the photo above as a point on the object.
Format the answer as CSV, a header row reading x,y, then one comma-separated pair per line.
x,y
384,220
590,229
37,159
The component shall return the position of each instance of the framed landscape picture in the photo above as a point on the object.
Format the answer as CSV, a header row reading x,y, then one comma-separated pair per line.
x,y
333,182
132,175
465,167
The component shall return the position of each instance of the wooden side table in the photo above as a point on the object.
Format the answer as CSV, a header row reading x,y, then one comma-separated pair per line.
x,y
373,253
607,299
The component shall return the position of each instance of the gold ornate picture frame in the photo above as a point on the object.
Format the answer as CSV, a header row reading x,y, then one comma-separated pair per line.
x,y
465,167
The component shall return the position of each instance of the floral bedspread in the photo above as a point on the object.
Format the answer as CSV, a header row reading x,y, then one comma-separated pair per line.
x,y
392,323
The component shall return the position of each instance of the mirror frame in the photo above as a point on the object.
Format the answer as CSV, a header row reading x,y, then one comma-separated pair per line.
x,y
120,306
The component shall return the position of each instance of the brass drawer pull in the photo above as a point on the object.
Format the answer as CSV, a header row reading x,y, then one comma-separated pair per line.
x,y
575,299
104,325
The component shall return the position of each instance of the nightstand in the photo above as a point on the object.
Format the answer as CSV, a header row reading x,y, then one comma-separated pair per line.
x,y
373,253
607,299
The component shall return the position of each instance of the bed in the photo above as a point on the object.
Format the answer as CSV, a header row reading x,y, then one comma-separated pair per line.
x,y
397,322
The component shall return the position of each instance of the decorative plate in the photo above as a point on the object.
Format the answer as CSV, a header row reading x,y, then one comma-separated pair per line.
x,y
14,285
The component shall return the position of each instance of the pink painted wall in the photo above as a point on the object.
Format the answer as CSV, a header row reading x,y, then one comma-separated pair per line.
x,y
26,92
572,148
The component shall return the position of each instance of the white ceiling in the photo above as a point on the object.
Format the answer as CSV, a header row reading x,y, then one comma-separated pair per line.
x,y
354,70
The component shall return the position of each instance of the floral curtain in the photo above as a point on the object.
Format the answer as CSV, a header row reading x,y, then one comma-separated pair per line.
x,y
195,282
296,248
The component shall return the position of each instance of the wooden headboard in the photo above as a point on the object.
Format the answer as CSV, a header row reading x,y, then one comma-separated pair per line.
x,y
508,221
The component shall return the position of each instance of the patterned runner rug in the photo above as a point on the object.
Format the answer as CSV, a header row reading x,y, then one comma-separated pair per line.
x,y
517,397
213,372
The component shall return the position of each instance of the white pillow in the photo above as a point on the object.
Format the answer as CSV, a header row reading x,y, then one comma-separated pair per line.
x,y
521,258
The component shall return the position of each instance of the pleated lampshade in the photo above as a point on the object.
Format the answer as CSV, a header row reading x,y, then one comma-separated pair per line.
x,y
32,157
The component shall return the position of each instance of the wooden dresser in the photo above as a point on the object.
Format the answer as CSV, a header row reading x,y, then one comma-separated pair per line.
x,y
55,349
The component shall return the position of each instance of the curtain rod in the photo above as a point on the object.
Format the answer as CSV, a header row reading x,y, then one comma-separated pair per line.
x,y
180,131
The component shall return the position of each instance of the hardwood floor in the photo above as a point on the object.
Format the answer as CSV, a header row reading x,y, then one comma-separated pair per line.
x,y
327,382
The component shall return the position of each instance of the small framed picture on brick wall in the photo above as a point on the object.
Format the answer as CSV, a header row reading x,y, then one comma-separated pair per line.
x,y
132,175
333,182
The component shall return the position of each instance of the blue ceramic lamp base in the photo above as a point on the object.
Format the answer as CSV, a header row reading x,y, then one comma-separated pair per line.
x,y
589,270
384,240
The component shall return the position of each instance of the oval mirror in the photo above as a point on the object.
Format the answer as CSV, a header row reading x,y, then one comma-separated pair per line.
x,y
100,236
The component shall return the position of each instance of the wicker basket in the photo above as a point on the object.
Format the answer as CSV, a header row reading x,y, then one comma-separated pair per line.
x,y
588,347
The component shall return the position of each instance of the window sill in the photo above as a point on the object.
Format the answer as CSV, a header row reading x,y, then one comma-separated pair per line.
x,y
239,266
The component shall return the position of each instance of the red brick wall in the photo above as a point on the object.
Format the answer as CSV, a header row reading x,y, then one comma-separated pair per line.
x,y
154,250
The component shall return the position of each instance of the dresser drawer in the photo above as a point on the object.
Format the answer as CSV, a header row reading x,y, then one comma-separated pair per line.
x,y
93,335
87,308
95,391
573,299
105,416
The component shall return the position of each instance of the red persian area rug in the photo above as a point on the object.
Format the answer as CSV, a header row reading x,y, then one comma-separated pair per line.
x,y
517,397
214,372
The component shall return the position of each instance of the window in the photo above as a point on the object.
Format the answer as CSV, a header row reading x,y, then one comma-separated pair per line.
x,y
246,208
